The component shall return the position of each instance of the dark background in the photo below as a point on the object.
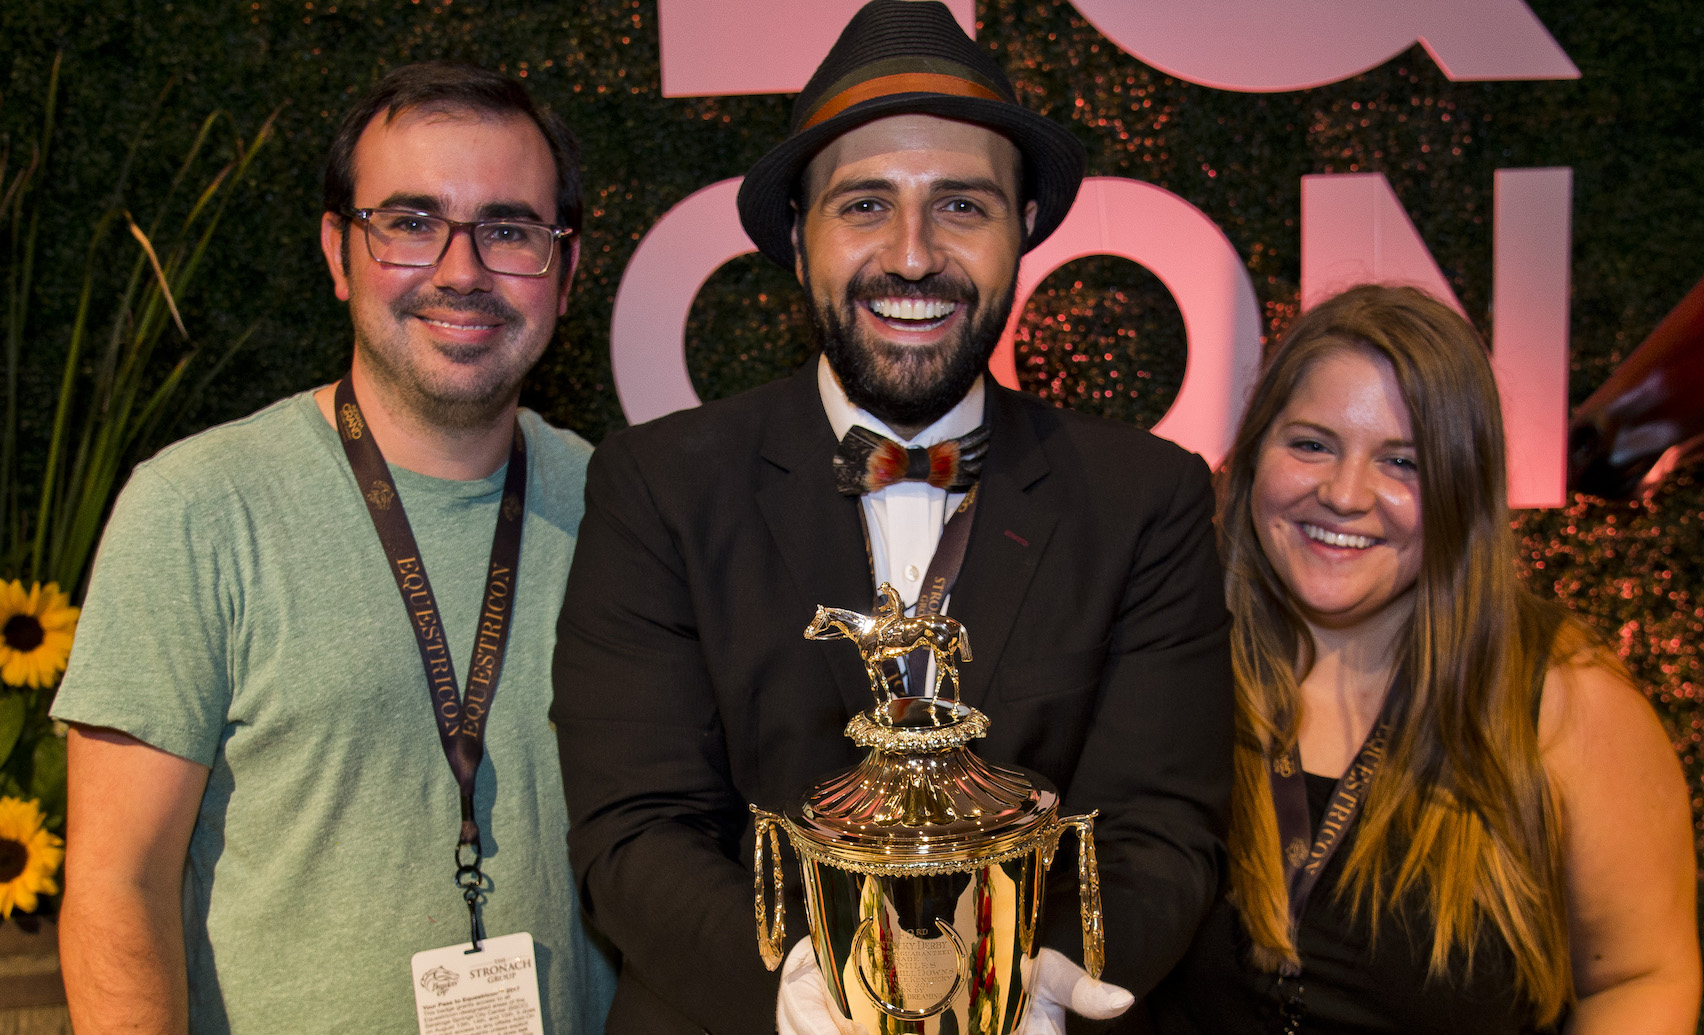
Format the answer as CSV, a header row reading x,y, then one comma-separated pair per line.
x,y
1100,335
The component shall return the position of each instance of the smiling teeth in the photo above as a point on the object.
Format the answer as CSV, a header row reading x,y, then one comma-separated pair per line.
x,y
459,326
1353,542
911,308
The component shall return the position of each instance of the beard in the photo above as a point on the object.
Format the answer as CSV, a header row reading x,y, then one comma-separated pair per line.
x,y
906,385
453,403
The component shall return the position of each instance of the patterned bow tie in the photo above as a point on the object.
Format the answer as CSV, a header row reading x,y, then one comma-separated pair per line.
x,y
867,462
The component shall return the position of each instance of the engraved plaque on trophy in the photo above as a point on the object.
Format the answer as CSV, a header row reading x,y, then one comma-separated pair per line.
x,y
923,865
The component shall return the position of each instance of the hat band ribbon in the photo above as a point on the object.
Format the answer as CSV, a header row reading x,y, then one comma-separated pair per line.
x,y
905,82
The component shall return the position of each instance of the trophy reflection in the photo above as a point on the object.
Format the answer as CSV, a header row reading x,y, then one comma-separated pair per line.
x,y
924,867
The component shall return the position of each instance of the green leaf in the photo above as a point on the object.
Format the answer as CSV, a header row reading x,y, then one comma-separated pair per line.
x,y
11,722
47,777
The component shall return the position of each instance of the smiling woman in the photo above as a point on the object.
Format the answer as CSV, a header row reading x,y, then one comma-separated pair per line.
x,y
1336,495
1436,773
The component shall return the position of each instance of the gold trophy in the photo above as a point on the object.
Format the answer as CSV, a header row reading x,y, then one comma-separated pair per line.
x,y
923,865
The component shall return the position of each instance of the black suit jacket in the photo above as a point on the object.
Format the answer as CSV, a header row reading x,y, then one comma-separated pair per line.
x,y
685,690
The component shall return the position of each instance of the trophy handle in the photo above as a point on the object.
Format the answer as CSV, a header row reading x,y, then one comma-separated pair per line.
x,y
866,930
1088,892
770,939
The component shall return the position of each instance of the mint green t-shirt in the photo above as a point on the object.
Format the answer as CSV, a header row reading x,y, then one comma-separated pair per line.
x,y
242,615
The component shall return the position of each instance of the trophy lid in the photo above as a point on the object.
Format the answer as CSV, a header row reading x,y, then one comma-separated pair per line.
x,y
922,801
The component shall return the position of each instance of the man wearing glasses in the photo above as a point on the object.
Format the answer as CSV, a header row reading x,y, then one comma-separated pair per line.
x,y
312,784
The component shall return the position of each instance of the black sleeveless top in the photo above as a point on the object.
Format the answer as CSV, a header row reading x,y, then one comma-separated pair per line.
x,y
1349,983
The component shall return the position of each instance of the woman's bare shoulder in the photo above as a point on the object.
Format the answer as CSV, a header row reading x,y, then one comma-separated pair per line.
x,y
1592,711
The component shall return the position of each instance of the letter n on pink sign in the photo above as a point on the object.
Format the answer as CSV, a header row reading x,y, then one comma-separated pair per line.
x,y
1355,231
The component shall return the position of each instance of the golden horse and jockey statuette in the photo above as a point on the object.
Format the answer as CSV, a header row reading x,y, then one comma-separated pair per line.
x,y
923,865
889,635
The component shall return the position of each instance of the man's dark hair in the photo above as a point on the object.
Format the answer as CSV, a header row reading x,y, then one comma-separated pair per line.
x,y
450,85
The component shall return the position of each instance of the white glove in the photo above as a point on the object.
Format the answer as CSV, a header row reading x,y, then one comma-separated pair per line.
x,y
804,1006
1056,985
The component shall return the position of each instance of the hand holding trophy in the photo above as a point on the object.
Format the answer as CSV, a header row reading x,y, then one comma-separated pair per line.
x,y
923,866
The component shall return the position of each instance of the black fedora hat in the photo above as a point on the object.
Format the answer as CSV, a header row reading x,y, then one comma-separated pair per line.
x,y
898,57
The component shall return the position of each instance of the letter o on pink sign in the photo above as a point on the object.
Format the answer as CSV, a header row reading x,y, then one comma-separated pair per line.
x,y
647,330
1197,263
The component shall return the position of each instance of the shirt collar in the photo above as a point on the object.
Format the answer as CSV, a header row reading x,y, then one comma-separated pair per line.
x,y
962,419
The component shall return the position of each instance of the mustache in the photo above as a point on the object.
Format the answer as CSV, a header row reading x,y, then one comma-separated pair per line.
x,y
946,287
481,304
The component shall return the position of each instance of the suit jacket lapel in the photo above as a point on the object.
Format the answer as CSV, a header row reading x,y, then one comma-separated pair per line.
x,y
1014,519
816,529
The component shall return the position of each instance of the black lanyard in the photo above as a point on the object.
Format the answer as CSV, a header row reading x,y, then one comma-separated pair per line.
x,y
938,582
944,567
460,717
1304,864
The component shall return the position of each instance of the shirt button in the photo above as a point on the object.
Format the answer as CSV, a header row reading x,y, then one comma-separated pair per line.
x,y
911,573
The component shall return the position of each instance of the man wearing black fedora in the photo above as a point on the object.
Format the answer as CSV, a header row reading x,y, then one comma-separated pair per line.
x,y
1078,552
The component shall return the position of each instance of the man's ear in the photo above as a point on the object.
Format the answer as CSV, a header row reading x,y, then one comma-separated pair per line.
x,y
572,254
798,245
1029,219
332,229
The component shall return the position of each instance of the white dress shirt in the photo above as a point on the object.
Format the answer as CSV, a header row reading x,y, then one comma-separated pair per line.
x,y
905,519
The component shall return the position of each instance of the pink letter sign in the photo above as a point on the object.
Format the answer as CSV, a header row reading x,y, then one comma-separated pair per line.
x,y
1264,46
1354,231
1198,264
711,48
1531,250
647,329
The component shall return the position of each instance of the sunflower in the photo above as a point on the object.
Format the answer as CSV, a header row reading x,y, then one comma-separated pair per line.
x,y
29,856
35,633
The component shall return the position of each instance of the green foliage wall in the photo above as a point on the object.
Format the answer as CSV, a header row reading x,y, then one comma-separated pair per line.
x,y
1101,335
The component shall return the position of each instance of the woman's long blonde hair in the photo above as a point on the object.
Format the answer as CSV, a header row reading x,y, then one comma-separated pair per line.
x,y
1460,811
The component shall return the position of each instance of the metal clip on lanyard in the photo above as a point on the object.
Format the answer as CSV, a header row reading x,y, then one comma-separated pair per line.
x,y
460,716
471,880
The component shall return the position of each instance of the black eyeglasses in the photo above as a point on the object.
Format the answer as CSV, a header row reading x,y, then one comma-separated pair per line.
x,y
514,247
